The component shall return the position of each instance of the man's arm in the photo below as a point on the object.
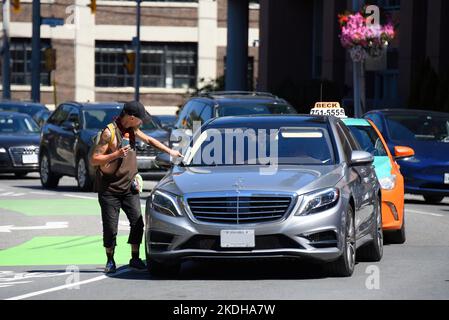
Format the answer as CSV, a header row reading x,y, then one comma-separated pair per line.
x,y
99,157
154,142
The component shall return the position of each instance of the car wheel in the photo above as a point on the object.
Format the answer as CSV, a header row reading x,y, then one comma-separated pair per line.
x,y
20,175
373,251
344,266
433,199
48,178
159,269
397,236
82,175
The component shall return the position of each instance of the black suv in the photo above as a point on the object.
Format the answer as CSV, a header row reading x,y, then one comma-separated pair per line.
x,y
226,103
67,137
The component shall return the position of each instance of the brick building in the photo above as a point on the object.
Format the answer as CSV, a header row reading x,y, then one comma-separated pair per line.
x,y
182,43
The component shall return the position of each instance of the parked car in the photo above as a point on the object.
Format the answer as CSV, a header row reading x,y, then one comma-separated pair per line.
x,y
19,144
68,135
427,133
388,173
29,108
165,121
41,117
321,202
220,104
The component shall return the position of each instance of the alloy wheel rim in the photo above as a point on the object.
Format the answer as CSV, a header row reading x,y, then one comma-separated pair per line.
x,y
44,169
379,231
81,173
350,242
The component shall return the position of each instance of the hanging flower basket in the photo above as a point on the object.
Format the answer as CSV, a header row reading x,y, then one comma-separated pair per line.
x,y
363,39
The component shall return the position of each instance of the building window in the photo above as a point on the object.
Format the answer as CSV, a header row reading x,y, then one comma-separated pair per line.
x,y
162,65
20,49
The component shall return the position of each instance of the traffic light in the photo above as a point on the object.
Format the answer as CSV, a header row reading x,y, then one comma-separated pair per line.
x,y
15,6
93,6
130,62
50,59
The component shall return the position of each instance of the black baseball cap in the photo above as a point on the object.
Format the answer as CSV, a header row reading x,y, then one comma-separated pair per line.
x,y
136,109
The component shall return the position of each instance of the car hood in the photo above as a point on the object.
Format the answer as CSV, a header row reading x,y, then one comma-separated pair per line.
x,y
158,134
10,140
299,179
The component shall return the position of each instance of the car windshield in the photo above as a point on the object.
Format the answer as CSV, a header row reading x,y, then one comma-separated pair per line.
x,y
252,146
420,127
151,125
99,118
368,140
29,110
17,125
256,108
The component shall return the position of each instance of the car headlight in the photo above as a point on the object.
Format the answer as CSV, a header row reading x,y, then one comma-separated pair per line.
x,y
165,203
388,183
2,150
318,201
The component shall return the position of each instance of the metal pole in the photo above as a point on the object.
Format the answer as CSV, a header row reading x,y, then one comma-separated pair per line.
x,y
6,67
357,72
137,63
36,53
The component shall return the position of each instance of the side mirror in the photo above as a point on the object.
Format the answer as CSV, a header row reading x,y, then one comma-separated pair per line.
x,y
361,158
163,161
401,152
69,126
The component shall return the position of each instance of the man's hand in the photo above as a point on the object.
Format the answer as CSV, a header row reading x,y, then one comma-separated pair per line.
x,y
123,152
175,154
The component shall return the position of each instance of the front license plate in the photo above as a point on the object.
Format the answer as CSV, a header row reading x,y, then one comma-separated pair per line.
x,y
446,178
237,239
29,159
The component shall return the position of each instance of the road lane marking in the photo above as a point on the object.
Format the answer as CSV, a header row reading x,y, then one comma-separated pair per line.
x,y
47,226
423,213
43,193
66,286
79,197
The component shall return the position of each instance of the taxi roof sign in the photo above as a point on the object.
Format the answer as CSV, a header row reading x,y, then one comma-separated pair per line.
x,y
327,105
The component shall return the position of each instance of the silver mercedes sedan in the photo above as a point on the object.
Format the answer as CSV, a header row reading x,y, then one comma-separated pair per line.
x,y
267,187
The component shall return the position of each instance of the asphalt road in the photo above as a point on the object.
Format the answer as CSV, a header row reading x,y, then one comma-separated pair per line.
x,y
50,248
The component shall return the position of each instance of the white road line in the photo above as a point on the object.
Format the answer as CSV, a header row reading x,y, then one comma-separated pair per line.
x,y
75,284
423,213
79,197
43,193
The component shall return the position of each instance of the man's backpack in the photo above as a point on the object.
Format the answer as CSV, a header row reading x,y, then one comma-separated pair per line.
x,y
97,137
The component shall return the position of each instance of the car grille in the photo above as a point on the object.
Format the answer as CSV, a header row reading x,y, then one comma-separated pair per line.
x,y
239,210
16,154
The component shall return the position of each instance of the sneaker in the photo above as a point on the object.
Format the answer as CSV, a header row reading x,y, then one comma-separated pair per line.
x,y
110,267
137,264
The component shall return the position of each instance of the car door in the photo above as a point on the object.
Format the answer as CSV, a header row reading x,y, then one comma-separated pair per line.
x,y
363,187
52,136
68,140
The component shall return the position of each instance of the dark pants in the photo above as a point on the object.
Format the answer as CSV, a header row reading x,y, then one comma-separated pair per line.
x,y
110,209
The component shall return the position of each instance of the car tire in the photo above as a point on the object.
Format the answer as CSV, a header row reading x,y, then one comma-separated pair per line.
x,y
396,236
344,266
433,199
48,178
373,251
20,175
82,175
159,269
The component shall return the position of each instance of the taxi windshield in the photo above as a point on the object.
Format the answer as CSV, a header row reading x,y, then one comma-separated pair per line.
x,y
248,146
420,127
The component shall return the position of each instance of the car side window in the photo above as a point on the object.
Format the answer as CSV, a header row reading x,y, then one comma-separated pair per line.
x,y
355,146
195,113
206,114
182,119
377,120
60,115
346,146
74,116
